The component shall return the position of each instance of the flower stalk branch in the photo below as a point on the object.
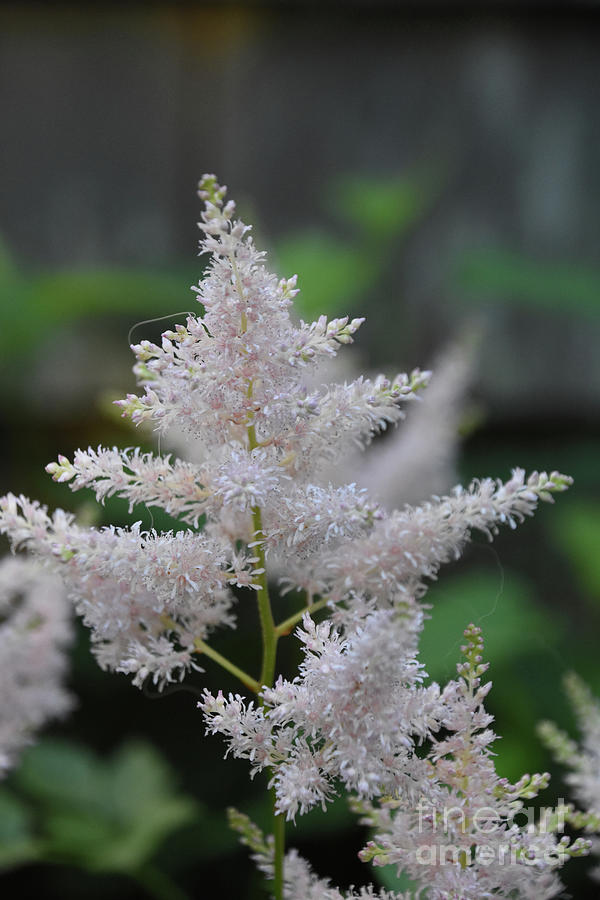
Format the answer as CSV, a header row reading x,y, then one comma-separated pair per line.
x,y
285,627
247,680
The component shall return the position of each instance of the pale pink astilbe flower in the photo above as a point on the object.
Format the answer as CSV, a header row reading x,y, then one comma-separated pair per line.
x,y
233,378
251,735
179,488
347,415
35,632
312,516
353,716
155,658
581,759
408,546
300,882
246,480
131,587
420,459
242,361
464,842
248,731
413,463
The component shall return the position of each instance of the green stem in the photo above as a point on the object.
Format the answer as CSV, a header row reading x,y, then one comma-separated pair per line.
x,y
279,851
247,680
202,647
270,637
286,626
267,623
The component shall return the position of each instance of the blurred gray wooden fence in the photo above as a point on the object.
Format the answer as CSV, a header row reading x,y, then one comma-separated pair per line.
x,y
108,119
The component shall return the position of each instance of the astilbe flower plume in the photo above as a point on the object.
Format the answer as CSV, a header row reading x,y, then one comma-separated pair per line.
x,y
421,458
35,631
581,759
462,839
239,378
353,716
233,378
300,882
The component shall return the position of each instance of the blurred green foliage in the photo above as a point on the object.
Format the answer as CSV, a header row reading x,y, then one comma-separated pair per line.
x,y
508,278
35,303
576,532
502,603
376,214
69,806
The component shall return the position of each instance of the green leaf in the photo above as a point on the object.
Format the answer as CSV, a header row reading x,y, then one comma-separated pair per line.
x,y
510,279
79,838
140,780
103,815
576,531
144,805
383,207
333,273
17,844
504,607
59,774
74,294
35,304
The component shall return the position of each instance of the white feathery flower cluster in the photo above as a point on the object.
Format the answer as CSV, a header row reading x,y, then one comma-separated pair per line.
x,y
246,479
406,547
299,881
35,632
322,337
463,840
157,659
359,715
315,516
247,729
139,478
420,458
131,587
242,361
354,715
344,416
583,759
233,378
